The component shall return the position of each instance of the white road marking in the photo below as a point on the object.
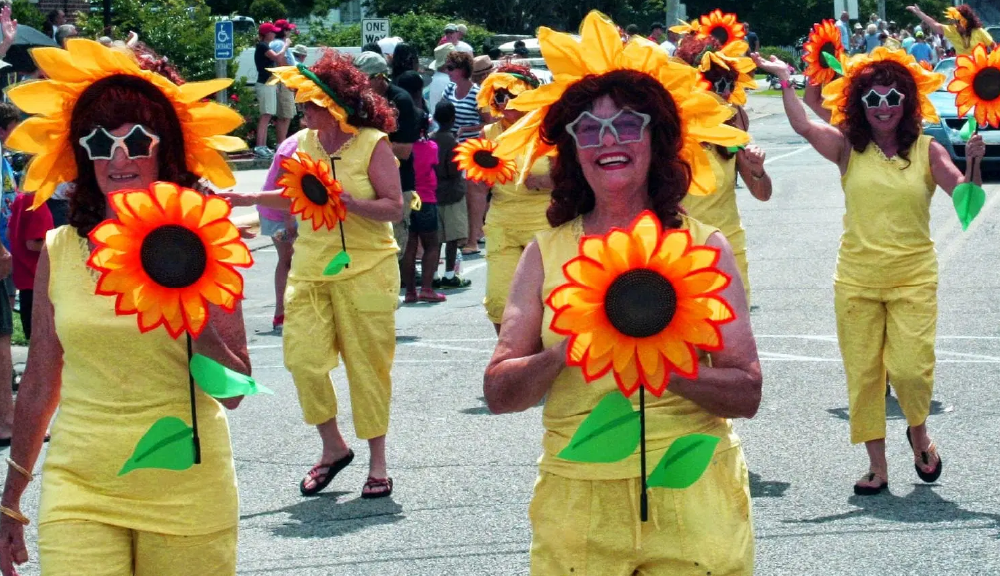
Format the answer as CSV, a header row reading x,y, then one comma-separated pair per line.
x,y
786,155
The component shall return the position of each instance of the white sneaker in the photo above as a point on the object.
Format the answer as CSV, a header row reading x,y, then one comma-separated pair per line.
x,y
263,152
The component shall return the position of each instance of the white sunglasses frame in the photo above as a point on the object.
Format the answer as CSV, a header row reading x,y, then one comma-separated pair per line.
x,y
119,142
608,124
883,99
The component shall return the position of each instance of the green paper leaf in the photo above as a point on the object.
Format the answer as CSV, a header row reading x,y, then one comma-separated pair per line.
x,y
609,434
968,200
220,382
685,462
339,262
969,130
833,63
168,444
735,149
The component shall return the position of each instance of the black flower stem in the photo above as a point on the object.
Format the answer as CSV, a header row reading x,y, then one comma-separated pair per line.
x,y
343,243
643,502
194,410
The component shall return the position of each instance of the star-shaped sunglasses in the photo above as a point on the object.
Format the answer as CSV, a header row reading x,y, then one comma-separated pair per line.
x,y
892,98
626,126
138,143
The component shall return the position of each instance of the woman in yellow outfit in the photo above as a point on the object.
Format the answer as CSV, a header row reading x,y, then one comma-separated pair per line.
x,y
885,286
611,166
965,31
517,209
728,75
349,314
108,125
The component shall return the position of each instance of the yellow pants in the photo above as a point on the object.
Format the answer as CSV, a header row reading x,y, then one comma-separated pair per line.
x,y
889,330
503,251
593,527
84,548
741,263
353,319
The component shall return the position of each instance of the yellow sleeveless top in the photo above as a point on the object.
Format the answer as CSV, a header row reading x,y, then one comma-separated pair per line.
x,y
720,209
116,382
369,242
887,237
963,46
515,206
571,399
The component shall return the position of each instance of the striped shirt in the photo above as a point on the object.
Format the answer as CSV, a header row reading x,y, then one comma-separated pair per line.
x,y
466,109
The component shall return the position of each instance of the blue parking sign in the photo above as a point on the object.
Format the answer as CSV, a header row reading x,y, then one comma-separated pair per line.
x,y
224,40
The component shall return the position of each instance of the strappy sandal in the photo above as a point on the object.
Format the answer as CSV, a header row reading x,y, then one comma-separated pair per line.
x,y
373,483
871,490
322,479
925,459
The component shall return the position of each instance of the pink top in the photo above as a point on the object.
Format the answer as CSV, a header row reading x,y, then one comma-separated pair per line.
x,y
285,150
26,225
425,157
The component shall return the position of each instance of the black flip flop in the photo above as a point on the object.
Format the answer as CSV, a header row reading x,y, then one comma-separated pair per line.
x,y
870,490
931,476
331,471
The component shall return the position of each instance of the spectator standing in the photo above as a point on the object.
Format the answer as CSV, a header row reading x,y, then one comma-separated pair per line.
x,y
656,33
751,38
65,32
451,35
26,231
451,189
872,40
53,20
520,50
920,50
670,44
299,54
857,45
405,58
267,95
844,27
9,116
285,97
440,80
481,68
423,224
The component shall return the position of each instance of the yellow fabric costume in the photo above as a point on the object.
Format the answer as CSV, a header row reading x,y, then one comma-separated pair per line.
x,y
115,381
963,45
516,213
712,518
351,314
886,286
720,210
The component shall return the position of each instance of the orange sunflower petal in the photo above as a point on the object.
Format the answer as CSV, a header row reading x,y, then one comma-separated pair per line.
x,y
824,37
977,85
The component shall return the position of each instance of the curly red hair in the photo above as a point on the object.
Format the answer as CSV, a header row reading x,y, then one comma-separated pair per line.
x,y
971,17
519,70
371,110
669,176
885,73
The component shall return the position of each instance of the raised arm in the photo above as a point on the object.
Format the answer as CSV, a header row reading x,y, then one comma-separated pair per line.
x,y
521,371
813,98
932,24
826,139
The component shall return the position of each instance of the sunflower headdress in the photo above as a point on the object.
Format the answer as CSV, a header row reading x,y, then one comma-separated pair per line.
x,y
740,66
724,27
70,72
835,93
977,85
955,14
308,87
639,303
600,51
514,83
824,38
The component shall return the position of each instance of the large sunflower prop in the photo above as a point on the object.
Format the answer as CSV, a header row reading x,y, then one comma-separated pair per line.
x,y
476,157
69,73
309,88
513,84
724,27
835,93
639,303
314,192
168,254
742,66
977,85
599,51
824,38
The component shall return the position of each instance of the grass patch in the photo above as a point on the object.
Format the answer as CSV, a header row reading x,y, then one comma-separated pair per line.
x,y
17,338
776,93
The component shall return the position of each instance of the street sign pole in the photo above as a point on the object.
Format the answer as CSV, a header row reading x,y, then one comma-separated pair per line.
x,y
223,53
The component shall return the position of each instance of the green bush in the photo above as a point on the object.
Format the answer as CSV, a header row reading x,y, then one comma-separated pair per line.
x,y
27,14
782,54
266,10
420,30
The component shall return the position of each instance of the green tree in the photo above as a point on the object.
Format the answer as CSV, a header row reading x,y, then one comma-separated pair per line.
x,y
290,8
27,14
267,10
420,30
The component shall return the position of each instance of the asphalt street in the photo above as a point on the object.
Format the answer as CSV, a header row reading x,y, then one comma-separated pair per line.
x,y
463,477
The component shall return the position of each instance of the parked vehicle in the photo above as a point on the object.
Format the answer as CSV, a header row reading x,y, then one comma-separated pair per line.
x,y
946,131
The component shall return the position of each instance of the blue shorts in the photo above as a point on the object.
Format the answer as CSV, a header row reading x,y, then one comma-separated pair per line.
x,y
271,228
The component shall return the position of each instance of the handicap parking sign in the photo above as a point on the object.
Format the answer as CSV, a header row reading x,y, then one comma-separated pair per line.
x,y
224,40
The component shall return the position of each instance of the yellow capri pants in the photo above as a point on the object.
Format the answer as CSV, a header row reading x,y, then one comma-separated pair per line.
x,y
353,319
886,330
85,548
593,527
503,251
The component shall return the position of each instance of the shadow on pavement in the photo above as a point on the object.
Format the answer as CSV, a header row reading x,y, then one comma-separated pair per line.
x,y
760,488
324,517
892,410
923,505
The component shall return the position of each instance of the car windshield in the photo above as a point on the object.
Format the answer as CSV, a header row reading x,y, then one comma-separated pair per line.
x,y
946,67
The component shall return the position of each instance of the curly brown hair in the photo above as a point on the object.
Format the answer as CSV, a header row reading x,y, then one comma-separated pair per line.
x,y
692,48
971,17
669,176
460,61
110,103
885,73
352,87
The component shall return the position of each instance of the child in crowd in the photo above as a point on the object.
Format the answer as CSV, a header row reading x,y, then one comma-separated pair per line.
x,y
26,231
453,214
423,223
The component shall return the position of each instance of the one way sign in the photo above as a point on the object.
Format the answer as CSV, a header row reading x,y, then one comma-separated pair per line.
x,y
374,29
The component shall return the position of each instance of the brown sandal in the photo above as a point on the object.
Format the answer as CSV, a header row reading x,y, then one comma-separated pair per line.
x,y
372,483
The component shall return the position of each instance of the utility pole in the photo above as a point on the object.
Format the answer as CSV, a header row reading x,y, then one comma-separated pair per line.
x,y
881,9
107,14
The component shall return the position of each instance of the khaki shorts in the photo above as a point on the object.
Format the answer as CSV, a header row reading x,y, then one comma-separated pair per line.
x,y
267,98
454,221
286,102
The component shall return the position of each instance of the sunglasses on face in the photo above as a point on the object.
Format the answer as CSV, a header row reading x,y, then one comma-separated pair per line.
x,y
501,98
723,85
627,126
892,99
138,143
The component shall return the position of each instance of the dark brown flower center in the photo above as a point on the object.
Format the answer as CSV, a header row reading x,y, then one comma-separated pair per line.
x,y
173,256
986,84
640,303
829,49
314,190
721,34
485,159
